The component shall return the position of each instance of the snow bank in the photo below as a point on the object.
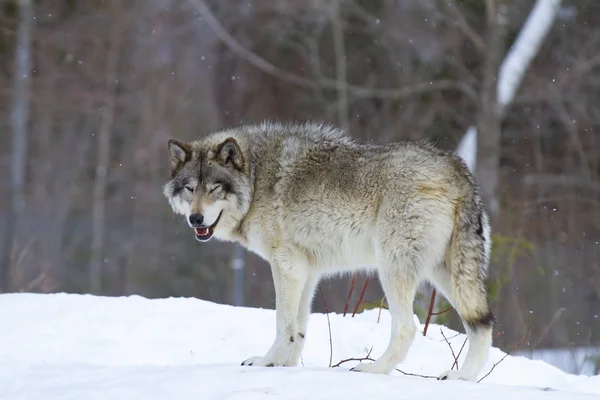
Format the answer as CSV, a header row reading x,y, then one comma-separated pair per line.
x,y
86,347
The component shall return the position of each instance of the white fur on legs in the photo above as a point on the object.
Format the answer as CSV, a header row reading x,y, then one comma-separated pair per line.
x,y
400,293
289,284
303,314
480,341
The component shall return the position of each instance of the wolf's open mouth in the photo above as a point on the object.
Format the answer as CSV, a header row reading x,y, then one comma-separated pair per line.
x,y
205,233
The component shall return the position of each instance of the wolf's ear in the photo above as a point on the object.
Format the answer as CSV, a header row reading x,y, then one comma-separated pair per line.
x,y
180,154
229,154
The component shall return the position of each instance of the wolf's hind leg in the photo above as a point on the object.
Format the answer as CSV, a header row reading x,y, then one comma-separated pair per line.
x,y
470,301
399,285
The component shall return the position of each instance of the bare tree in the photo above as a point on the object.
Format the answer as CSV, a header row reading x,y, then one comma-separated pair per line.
x,y
340,64
104,137
488,121
501,82
19,119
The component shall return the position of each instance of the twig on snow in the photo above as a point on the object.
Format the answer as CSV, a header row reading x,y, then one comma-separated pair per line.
x,y
328,326
362,297
452,337
451,349
459,353
430,312
349,294
368,358
352,359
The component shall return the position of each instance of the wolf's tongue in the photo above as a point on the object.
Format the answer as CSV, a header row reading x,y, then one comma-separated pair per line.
x,y
202,231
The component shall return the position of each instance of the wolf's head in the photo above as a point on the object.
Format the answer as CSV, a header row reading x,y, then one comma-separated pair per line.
x,y
209,185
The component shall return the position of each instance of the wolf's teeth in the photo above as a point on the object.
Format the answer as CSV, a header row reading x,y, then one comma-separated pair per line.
x,y
202,231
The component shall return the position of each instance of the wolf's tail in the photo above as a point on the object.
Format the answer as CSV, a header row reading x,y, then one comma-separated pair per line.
x,y
469,259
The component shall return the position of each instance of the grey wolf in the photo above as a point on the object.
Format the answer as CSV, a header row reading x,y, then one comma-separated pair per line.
x,y
314,202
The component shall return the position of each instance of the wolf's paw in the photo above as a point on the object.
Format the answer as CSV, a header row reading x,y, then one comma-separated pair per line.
x,y
373,368
454,375
262,362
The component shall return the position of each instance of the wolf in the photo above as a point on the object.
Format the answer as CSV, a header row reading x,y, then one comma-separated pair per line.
x,y
313,202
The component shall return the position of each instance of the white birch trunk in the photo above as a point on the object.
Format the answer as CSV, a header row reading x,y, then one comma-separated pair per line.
x,y
524,49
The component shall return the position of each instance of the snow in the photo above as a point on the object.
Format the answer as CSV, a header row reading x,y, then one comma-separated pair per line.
x,y
578,360
66,346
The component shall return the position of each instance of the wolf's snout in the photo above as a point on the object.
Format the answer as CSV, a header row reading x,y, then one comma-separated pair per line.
x,y
196,220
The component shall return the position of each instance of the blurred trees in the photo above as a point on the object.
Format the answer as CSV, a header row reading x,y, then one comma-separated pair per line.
x,y
112,81
19,114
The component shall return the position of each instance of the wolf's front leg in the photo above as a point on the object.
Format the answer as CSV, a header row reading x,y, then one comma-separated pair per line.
x,y
289,283
303,315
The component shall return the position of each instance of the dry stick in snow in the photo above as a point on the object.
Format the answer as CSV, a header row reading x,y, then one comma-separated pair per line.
x,y
362,297
368,358
453,336
328,326
350,294
506,355
451,349
431,303
459,353
430,312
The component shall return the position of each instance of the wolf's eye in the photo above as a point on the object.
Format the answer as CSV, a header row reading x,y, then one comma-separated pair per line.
x,y
217,186
189,188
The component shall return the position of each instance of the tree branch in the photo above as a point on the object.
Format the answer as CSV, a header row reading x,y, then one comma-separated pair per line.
x,y
451,349
361,298
352,282
430,312
368,358
356,91
464,26
328,326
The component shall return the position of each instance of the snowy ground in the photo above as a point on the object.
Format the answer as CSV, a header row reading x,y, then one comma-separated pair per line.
x,y
576,360
85,347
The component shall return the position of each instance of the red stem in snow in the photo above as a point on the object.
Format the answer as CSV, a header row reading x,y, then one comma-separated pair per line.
x,y
430,312
362,297
349,294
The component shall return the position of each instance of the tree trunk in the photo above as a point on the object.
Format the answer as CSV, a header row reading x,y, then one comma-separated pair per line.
x,y
19,118
488,121
339,48
501,82
99,200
